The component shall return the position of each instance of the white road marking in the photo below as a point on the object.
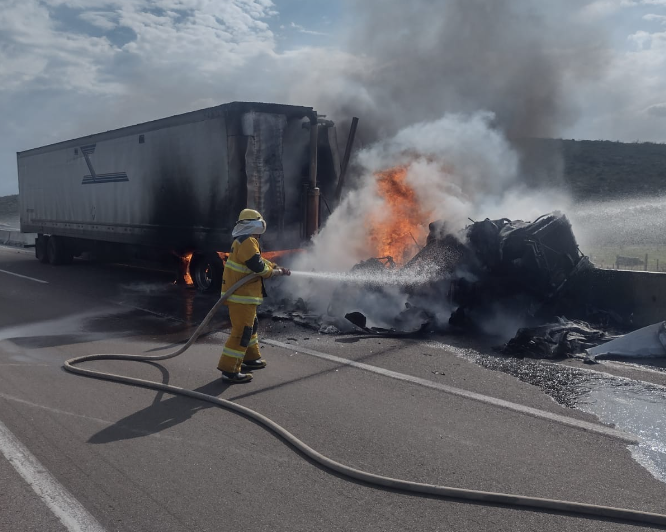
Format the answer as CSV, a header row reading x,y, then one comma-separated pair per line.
x,y
585,425
66,508
24,277
27,365
96,420
53,410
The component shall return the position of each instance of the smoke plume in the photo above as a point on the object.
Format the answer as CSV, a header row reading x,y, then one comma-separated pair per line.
x,y
520,59
448,90
452,179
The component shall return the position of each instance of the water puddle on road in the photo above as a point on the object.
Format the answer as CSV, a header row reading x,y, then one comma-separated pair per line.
x,y
636,407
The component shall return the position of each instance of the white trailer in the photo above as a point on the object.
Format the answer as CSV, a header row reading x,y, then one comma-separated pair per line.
x,y
174,187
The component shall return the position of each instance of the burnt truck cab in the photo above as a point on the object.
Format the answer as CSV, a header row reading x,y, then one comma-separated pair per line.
x,y
174,187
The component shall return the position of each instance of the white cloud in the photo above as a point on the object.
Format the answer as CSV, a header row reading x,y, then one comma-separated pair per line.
x,y
607,7
102,19
645,40
604,8
655,18
201,35
301,29
625,103
635,3
658,109
35,52
58,82
219,36
641,39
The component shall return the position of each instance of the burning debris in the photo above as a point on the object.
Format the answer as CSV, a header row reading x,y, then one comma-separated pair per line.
x,y
461,280
510,272
494,266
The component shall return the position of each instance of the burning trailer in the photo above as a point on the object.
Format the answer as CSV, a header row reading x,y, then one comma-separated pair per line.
x,y
172,188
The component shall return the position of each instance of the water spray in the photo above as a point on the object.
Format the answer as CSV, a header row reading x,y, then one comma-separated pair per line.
x,y
373,278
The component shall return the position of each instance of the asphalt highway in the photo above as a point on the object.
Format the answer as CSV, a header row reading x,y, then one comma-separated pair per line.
x,y
83,454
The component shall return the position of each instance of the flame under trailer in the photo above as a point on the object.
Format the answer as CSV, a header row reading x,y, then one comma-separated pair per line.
x,y
165,189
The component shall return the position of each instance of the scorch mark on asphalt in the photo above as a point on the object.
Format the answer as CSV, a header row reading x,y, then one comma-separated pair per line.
x,y
534,412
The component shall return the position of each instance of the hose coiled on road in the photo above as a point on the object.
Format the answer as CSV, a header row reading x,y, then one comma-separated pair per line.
x,y
534,503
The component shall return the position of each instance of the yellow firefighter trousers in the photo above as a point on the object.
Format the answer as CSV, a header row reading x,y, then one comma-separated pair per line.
x,y
243,343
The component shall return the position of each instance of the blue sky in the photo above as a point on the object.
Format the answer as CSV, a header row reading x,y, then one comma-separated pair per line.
x,y
74,67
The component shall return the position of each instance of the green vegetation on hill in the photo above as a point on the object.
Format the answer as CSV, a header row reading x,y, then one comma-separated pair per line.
x,y
9,204
595,170
606,257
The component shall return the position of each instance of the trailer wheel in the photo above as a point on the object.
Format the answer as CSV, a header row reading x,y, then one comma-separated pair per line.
x,y
57,252
40,248
206,272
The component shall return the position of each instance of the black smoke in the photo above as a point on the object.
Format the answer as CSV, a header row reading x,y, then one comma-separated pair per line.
x,y
520,59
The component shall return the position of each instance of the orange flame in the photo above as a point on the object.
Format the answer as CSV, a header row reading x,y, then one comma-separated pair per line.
x,y
186,269
402,223
269,255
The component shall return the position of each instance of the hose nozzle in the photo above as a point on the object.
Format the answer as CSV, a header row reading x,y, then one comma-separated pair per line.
x,y
281,271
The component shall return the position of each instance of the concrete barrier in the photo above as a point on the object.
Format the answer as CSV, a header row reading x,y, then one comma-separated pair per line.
x,y
639,297
16,238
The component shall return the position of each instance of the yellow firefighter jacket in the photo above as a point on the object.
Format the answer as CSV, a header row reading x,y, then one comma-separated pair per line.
x,y
245,258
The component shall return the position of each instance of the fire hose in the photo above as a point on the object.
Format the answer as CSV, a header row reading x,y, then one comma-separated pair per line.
x,y
446,492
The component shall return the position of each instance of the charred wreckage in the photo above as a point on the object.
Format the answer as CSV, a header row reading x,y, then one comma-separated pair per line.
x,y
494,276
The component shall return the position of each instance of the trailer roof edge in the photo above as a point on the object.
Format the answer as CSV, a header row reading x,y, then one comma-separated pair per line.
x,y
291,111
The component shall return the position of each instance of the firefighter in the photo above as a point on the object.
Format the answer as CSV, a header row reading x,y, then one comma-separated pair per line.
x,y
241,352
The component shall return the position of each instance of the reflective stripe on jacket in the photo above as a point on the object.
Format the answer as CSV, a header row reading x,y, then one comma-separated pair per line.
x,y
245,258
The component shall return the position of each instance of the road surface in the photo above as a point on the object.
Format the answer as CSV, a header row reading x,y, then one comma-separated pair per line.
x,y
83,454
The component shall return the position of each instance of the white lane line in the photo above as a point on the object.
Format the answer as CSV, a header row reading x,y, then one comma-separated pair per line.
x,y
24,277
96,420
542,414
28,365
66,508
53,410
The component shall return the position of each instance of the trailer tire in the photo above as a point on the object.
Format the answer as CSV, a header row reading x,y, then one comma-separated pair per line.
x,y
206,272
57,251
40,249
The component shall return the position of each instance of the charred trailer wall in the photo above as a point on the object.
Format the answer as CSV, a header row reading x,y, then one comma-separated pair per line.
x,y
328,167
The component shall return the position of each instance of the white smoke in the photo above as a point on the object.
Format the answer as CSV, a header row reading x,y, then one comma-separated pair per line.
x,y
460,167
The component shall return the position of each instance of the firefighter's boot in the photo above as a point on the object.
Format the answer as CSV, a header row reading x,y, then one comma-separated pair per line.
x,y
236,378
250,365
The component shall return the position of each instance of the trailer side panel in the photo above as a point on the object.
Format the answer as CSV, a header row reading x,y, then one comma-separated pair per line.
x,y
164,187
